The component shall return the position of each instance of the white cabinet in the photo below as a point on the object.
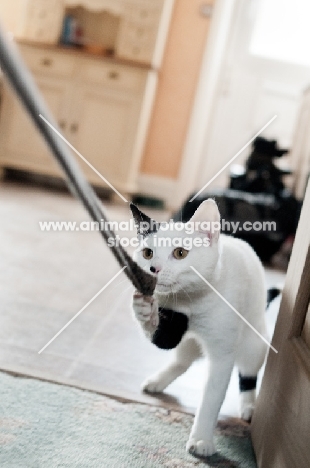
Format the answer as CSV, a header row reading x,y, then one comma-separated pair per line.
x,y
135,29
139,31
104,129
34,20
114,6
21,145
102,108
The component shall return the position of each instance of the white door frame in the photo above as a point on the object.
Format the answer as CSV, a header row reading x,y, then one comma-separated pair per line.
x,y
205,100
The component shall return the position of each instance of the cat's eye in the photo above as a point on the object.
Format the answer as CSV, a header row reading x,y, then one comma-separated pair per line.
x,y
179,253
147,253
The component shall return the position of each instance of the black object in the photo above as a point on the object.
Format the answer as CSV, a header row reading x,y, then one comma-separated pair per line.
x,y
171,328
22,82
272,293
148,201
247,383
261,174
256,193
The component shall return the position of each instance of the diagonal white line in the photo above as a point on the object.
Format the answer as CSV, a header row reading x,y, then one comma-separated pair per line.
x,y
232,308
83,308
234,157
84,159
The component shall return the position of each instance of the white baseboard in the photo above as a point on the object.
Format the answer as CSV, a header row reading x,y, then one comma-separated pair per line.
x,y
159,187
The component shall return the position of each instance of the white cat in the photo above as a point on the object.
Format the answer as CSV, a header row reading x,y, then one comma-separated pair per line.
x,y
187,314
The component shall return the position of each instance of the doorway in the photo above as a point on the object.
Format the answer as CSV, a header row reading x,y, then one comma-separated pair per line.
x,y
260,70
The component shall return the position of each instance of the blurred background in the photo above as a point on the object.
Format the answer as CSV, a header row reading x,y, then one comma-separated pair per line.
x,y
158,95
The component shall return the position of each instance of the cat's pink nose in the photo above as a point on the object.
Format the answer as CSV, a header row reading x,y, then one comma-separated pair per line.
x,y
155,269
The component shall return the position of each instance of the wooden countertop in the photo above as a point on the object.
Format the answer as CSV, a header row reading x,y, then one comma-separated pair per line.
x,y
75,50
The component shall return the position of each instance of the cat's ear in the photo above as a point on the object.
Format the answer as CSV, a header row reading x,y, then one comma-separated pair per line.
x,y
207,217
144,224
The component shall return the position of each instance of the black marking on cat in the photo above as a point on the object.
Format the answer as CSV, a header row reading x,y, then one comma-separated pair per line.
x,y
171,328
272,293
247,383
144,224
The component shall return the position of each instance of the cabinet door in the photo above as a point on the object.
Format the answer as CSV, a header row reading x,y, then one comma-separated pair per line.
x,y
21,145
103,129
43,21
137,41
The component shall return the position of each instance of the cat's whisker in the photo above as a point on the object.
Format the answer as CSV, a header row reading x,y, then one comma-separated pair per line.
x,y
176,301
188,297
112,289
126,289
162,307
124,281
185,292
121,282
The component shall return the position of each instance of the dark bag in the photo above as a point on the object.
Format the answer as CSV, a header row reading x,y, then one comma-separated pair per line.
x,y
259,208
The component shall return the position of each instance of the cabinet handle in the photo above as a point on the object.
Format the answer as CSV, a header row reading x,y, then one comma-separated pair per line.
x,y
62,124
113,75
46,62
74,127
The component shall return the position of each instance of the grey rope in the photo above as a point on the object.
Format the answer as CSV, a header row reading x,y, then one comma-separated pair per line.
x,y
22,82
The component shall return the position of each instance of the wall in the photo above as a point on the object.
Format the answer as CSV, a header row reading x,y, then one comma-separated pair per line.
x,y
9,14
178,79
251,90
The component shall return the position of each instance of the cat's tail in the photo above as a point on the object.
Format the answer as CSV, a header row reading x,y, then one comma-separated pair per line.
x,y
272,293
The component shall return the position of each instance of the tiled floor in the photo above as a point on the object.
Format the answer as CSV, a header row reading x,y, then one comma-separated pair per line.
x,y
46,278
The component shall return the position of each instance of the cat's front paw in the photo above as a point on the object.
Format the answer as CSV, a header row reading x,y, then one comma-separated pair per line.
x,y
145,308
200,447
153,385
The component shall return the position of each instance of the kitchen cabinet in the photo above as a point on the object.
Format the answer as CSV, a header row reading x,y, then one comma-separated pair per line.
x,y
103,128
21,145
102,108
139,31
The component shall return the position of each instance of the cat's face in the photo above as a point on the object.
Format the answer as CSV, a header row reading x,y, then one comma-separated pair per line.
x,y
169,250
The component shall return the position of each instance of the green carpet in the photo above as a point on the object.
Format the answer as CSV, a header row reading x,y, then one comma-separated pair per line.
x,y
47,425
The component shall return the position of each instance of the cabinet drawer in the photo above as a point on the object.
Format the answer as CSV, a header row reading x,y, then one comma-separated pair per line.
x,y
138,36
113,76
137,50
142,15
136,42
44,21
49,62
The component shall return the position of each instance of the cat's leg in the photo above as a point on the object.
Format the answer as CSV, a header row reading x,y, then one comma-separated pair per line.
x,y
185,354
249,360
145,309
201,437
